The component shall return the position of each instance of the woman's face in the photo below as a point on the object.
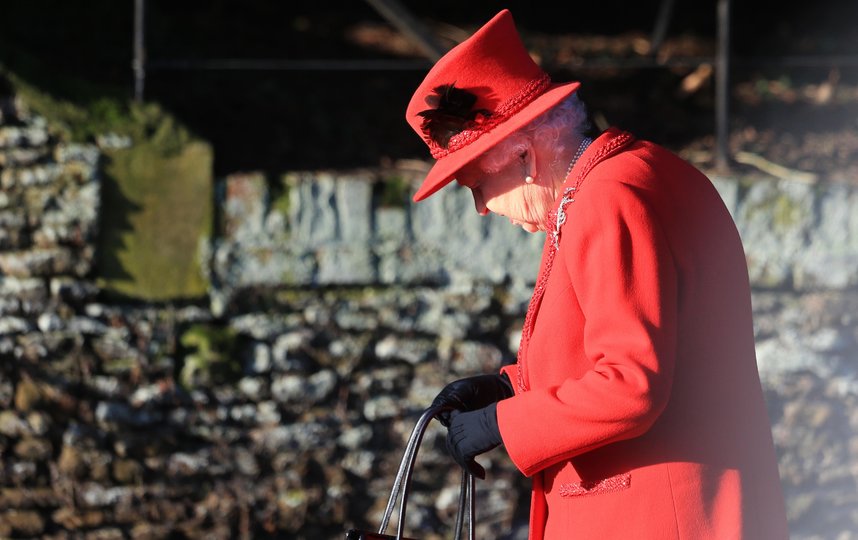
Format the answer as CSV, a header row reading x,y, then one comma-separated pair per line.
x,y
506,193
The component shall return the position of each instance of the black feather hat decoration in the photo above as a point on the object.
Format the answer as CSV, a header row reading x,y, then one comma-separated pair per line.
x,y
453,113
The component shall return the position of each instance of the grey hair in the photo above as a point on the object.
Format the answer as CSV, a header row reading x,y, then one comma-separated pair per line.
x,y
552,128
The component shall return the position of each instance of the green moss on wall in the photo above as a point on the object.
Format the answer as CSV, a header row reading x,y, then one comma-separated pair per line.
x,y
783,209
157,208
280,190
81,120
157,200
786,212
212,360
393,192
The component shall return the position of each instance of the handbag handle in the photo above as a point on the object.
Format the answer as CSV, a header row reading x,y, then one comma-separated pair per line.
x,y
403,482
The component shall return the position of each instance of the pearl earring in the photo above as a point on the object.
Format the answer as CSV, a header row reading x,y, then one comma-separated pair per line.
x,y
528,179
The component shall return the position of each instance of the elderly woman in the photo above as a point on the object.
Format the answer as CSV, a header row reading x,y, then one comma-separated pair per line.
x,y
635,404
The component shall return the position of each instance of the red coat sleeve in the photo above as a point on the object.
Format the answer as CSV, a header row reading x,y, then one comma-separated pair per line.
x,y
623,276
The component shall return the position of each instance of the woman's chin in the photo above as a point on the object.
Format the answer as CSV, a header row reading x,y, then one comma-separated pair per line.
x,y
529,227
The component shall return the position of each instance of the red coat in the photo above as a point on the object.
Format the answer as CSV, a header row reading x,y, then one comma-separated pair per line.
x,y
638,409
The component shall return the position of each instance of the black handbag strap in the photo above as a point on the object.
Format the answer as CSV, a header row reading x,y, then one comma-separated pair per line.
x,y
403,481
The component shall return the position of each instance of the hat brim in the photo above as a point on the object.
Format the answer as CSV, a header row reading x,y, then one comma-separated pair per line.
x,y
445,169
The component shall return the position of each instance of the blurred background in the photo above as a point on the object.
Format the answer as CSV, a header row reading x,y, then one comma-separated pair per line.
x,y
338,74
220,314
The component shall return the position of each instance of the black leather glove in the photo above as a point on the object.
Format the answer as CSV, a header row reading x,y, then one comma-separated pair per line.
x,y
472,433
472,393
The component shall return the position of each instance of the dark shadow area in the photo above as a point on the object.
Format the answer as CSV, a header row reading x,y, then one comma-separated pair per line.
x,y
72,51
276,121
308,119
116,210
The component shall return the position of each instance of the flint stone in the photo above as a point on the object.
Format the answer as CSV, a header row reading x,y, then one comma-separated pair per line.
x,y
391,228
91,494
290,388
476,357
244,414
773,220
258,326
383,407
39,422
28,497
304,437
312,212
20,472
413,351
348,348
72,519
13,425
127,471
268,413
33,449
113,141
184,464
259,359
353,319
22,157
75,152
14,325
252,387
38,262
107,386
7,393
38,175
345,264
49,322
121,413
353,201
286,345
359,463
355,437
831,258
246,462
24,522
245,206
87,326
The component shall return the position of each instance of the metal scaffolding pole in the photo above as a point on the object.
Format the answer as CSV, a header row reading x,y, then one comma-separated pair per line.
x,y
665,12
722,88
404,21
139,62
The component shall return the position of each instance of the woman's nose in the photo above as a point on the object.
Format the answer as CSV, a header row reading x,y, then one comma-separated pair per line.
x,y
479,204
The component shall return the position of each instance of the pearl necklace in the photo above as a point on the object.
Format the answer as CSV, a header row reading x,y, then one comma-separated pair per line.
x,y
583,146
568,194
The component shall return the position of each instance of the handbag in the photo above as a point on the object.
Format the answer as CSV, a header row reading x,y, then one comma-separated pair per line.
x,y
402,483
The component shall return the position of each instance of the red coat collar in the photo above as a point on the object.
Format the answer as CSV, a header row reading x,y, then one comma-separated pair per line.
x,y
610,142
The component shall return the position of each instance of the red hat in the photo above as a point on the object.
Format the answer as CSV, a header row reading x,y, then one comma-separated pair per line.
x,y
478,93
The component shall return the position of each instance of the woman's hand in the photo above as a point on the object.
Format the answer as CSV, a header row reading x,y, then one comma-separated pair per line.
x,y
471,434
472,393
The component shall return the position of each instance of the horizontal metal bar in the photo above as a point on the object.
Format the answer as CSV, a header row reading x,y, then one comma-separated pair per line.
x,y
397,65
257,64
637,63
817,60
694,61
289,65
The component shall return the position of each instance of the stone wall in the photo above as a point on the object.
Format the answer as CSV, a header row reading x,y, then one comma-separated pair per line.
x,y
279,406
